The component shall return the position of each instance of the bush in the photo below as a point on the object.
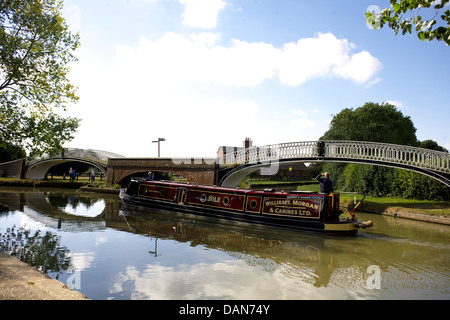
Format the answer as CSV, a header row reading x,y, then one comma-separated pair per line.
x,y
390,182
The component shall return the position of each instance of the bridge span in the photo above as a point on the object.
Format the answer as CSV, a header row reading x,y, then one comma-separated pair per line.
x,y
195,170
37,169
233,167
434,164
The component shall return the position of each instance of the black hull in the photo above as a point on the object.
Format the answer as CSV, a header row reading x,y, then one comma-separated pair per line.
x,y
334,228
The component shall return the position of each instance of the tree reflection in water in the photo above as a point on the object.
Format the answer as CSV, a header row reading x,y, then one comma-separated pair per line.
x,y
42,251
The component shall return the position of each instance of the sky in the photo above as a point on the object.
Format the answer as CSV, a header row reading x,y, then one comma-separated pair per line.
x,y
208,73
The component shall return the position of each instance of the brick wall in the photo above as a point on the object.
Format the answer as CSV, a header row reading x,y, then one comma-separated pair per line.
x,y
12,169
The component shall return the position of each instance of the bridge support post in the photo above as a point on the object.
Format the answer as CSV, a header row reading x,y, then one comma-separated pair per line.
x,y
321,146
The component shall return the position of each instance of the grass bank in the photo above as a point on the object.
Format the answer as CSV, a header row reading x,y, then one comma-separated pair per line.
x,y
11,182
424,210
82,184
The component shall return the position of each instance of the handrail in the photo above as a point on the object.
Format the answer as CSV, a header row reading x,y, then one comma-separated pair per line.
x,y
340,149
75,153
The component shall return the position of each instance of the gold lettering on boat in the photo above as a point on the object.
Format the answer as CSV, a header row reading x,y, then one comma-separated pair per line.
x,y
309,208
213,199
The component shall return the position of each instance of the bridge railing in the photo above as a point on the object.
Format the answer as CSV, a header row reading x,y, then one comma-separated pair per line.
x,y
383,152
349,150
87,154
298,149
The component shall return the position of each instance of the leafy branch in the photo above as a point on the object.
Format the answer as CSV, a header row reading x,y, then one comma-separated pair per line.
x,y
36,48
436,27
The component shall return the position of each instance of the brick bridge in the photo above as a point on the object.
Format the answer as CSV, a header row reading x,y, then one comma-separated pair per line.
x,y
198,170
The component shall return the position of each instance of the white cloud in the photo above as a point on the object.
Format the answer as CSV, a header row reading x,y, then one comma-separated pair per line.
x,y
202,13
156,89
447,145
360,67
81,260
175,58
398,104
325,56
206,38
300,112
372,82
197,58
303,123
228,279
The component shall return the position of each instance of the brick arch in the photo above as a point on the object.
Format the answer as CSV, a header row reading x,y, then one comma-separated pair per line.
x,y
124,180
194,171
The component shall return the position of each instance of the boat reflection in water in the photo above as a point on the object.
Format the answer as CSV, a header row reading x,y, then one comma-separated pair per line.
x,y
127,252
256,245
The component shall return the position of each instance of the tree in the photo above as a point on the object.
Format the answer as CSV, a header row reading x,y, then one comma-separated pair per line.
x,y
372,122
380,123
36,48
432,145
10,152
436,27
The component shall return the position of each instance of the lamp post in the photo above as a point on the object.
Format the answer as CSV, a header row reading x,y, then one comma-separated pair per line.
x,y
159,140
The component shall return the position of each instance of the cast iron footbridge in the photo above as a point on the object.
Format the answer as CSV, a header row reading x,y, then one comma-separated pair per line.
x,y
434,164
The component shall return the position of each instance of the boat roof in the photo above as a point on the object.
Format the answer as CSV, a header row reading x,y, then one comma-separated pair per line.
x,y
229,189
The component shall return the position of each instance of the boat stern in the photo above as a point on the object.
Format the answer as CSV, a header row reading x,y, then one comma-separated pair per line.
x,y
340,228
346,227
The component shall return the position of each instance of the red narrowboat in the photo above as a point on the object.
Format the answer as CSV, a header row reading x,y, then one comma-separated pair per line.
x,y
294,209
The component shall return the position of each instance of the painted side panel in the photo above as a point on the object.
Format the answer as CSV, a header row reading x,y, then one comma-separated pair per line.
x,y
293,207
220,200
167,193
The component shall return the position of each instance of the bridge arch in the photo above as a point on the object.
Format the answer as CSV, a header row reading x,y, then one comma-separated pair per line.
x,y
434,164
159,174
201,171
37,169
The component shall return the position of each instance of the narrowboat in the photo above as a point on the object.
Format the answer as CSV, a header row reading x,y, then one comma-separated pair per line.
x,y
294,209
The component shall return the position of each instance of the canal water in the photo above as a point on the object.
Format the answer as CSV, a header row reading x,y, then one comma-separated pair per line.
x,y
108,250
